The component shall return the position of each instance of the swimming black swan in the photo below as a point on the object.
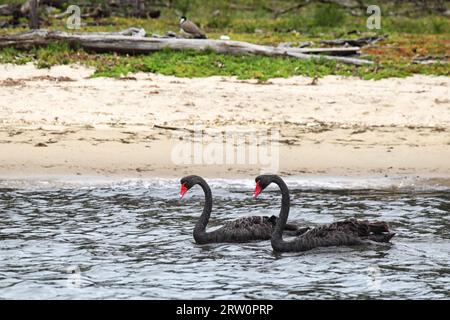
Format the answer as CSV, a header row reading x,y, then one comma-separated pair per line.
x,y
342,233
241,230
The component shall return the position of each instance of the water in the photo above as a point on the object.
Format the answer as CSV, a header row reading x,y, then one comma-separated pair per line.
x,y
133,239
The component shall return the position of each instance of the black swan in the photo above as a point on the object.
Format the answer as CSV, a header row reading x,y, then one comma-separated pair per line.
x,y
342,233
241,230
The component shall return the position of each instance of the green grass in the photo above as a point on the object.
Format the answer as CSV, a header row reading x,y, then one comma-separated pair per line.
x,y
193,64
177,63
204,64
424,34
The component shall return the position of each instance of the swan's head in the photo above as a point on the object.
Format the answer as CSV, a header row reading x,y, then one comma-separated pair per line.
x,y
262,182
187,183
182,19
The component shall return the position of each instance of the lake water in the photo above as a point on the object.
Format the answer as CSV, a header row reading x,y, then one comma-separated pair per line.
x,y
132,239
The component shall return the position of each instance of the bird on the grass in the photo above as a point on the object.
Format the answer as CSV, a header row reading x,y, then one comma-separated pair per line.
x,y
191,29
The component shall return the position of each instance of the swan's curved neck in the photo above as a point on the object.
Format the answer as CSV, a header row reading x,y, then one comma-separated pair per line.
x,y
284,212
200,226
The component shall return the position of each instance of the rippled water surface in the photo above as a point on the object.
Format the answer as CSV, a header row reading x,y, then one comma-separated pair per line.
x,y
133,239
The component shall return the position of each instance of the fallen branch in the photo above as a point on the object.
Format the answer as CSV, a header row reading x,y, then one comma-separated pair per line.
x,y
130,44
294,45
8,9
347,51
241,7
354,42
172,128
134,32
431,59
12,10
278,13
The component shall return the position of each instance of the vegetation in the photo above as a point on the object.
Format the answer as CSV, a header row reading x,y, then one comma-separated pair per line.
x,y
416,32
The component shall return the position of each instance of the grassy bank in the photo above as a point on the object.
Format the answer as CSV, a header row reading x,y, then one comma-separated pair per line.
x,y
422,34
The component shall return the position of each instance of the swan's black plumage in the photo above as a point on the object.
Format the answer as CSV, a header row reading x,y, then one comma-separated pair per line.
x,y
241,230
342,233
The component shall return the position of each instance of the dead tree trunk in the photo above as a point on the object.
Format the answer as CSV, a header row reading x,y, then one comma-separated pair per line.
x,y
140,7
34,14
132,44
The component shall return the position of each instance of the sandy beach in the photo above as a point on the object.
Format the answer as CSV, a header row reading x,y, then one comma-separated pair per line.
x,y
63,122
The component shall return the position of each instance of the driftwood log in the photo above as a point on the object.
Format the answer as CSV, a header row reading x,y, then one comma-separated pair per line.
x,y
341,51
133,44
354,42
431,59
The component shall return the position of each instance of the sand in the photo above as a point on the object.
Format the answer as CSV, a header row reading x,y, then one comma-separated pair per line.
x,y
63,122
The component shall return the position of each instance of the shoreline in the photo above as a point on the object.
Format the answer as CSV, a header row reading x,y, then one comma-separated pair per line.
x,y
60,122
139,160
389,183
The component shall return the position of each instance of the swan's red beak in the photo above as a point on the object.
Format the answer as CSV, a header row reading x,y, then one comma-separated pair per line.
x,y
257,190
183,190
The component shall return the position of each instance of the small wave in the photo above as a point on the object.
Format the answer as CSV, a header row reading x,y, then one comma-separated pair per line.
x,y
392,184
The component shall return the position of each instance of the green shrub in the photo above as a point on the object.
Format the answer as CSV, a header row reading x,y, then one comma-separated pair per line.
x,y
220,21
439,26
328,15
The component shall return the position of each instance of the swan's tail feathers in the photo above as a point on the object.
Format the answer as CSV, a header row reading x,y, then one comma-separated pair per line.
x,y
301,231
383,237
378,227
296,233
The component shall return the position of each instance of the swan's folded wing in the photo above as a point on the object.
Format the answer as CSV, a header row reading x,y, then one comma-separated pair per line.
x,y
318,237
347,232
249,228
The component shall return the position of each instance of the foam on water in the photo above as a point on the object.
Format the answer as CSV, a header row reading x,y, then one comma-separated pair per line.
x,y
393,183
